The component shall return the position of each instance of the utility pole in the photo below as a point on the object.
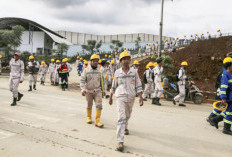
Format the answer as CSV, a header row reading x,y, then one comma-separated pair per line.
x,y
161,28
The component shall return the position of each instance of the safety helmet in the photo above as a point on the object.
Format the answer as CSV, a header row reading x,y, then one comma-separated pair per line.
x,y
147,67
31,57
136,62
184,63
94,56
100,61
109,56
155,64
220,106
115,53
150,64
207,32
52,60
85,62
112,77
112,62
218,30
81,59
149,44
227,60
124,54
105,55
0,56
108,62
43,63
57,61
78,57
64,60
196,34
202,34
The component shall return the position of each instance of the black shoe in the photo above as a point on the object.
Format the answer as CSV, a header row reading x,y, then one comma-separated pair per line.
x,y
107,96
182,105
66,86
34,87
226,129
41,82
63,89
19,96
157,102
174,102
154,100
126,132
30,88
209,119
14,102
144,99
216,120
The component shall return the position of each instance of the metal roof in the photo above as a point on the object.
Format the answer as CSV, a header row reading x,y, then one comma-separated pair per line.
x,y
8,22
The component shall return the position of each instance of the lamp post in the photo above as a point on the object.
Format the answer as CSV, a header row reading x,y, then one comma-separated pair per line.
x,y
161,28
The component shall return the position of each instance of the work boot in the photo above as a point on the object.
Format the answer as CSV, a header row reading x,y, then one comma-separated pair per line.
x,y
14,102
120,147
66,86
216,120
126,132
30,88
34,87
41,82
226,129
157,101
154,100
174,102
107,96
89,116
52,83
144,99
63,87
209,119
97,119
182,105
19,96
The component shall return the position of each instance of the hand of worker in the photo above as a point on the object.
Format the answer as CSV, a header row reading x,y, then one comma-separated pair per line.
x,y
83,93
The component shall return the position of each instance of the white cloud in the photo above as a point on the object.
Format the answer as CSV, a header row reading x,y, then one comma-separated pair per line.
x,y
181,17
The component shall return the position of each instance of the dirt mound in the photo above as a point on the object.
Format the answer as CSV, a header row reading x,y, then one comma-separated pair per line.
x,y
204,59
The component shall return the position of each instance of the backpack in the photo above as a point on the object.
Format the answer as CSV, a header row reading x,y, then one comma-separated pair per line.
x,y
177,74
144,78
218,80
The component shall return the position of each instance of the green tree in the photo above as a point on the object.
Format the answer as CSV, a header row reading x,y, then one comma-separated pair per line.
x,y
61,49
116,45
137,41
92,46
11,39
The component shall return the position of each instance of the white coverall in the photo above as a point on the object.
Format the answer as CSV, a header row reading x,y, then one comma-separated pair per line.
x,y
57,78
219,34
149,86
125,87
107,81
181,84
148,49
113,69
16,75
92,82
166,46
51,70
33,72
158,82
42,72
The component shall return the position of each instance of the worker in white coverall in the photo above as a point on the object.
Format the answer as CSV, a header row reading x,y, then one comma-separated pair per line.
x,y
149,82
219,34
135,65
33,68
51,70
16,76
107,78
57,78
112,67
181,85
158,70
148,49
92,87
125,85
69,70
208,35
43,69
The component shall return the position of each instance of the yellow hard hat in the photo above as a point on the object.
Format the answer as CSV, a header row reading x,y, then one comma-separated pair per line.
x,y
43,63
106,76
108,62
52,60
155,64
85,62
100,61
218,30
112,62
207,32
202,34
78,57
81,59
150,64
109,56
136,62
0,56
124,54
184,63
147,67
105,55
64,60
227,60
115,53
196,34
94,56
57,61
112,77
31,57
220,106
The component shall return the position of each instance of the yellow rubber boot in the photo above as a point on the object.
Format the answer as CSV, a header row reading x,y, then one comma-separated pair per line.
x,y
97,119
89,116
